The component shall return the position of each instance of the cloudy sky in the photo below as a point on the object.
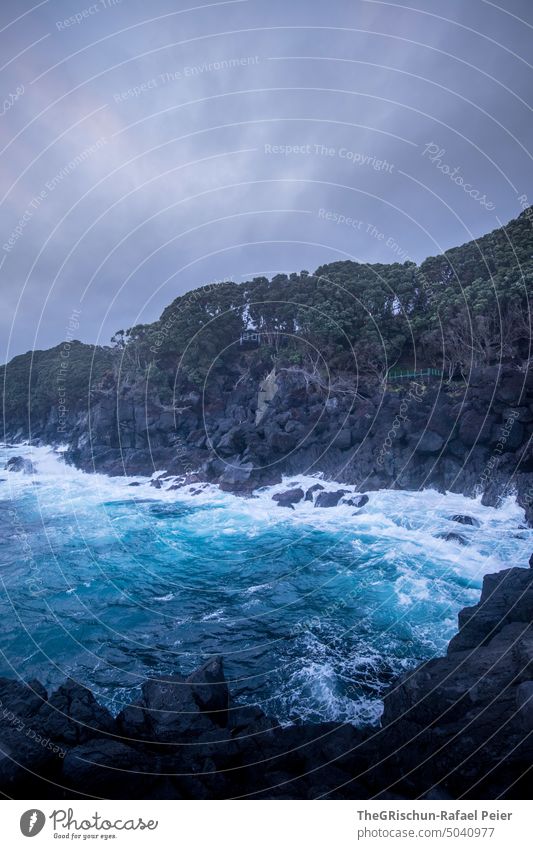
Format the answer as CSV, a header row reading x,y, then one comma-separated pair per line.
x,y
148,148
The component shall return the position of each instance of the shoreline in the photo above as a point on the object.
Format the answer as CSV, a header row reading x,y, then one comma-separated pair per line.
x,y
167,744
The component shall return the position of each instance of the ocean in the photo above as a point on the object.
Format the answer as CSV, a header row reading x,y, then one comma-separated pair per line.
x,y
314,610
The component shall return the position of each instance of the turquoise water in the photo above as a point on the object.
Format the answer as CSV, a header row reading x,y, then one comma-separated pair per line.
x,y
314,610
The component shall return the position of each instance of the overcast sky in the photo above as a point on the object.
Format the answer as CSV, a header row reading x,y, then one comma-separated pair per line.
x,y
148,148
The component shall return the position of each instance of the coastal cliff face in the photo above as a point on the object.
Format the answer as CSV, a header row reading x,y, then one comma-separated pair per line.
x,y
457,726
453,437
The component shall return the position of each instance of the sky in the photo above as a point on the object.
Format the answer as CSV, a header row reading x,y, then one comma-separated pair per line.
x,y
150,148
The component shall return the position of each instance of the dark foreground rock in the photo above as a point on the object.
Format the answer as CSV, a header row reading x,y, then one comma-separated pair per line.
x,y
457,726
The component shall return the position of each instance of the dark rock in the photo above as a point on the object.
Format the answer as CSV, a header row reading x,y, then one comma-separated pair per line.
x,y
329,499
506,597
27,759
451,536
288,497
210,690
470,712
512,387
357,501
21,699
429,443
508,436
92,768
311,491
236,474
174,707
465,520
241,718
20,464
232,442
73,715
475,427
134,483
343,439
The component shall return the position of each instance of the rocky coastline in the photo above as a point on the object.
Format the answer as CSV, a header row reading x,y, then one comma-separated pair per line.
x,y
459,726
464,437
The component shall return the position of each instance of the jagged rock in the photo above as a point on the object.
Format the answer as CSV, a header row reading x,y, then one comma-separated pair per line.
x,y
288,497
451,536
465,520
232,442
174,707
20,464
73,715
236,473
475,427
267,392
429,443
469,712
343,439
21,699
357,501
329,499
210,690
25,761
506,597
97,763
317,487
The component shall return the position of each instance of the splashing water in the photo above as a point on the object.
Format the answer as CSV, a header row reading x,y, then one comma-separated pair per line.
x,y
315,610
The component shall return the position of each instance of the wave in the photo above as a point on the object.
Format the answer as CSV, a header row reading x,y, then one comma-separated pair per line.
x,y
315,609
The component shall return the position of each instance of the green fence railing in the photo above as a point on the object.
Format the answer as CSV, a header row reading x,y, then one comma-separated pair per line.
x,y
418,374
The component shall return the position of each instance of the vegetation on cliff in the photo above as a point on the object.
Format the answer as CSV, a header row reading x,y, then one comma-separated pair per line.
x,y
467,307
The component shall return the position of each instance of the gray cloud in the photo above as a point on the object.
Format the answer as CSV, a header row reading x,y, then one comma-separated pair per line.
x,y
148,150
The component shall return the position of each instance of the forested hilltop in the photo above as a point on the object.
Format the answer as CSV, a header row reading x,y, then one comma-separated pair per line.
x,y
466,308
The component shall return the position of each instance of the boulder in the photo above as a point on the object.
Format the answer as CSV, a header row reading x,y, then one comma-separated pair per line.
x,y
288,497
20,464
451,536
210,690
475,427
429,443
343,439
356,501
462,519
172,708
236,474
317,487
21,699
329,499
506,597
232,442
73,715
